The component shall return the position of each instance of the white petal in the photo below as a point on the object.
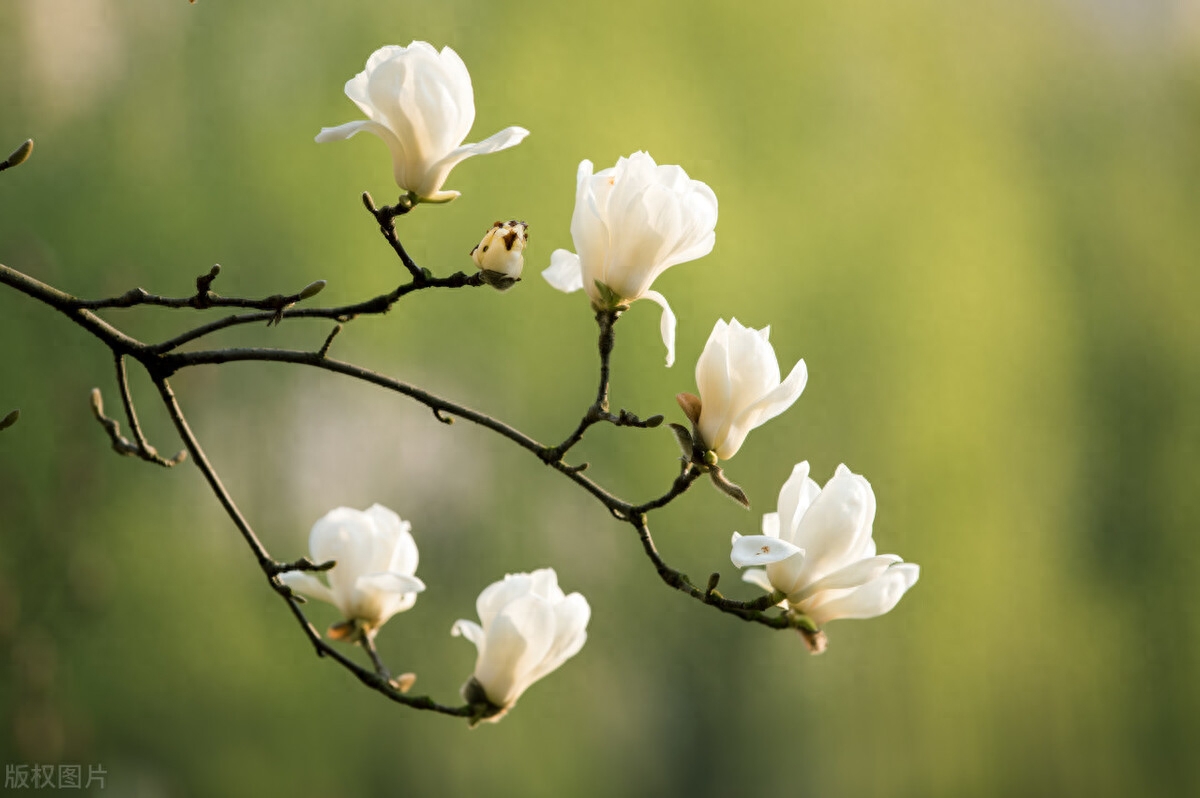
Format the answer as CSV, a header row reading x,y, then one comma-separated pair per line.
x,y
306,583
757,576
470,630
872,599
760,550
437,173
712,381
770,525
853,575
390,583
570,633
517,640
795,497
776,401
497,595
343,132
565,271
837,525
666,325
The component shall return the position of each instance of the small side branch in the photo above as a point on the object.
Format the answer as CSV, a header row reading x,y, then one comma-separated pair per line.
x,y
139,446
599,411
386,218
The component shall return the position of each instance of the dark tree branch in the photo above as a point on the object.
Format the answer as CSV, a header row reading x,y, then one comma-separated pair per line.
x,y
746,610
271,569
598,412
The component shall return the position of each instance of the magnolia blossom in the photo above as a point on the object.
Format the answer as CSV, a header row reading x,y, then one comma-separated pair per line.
x,y
631,223
738,379
420,102
527,628
376,561
500,256
818,551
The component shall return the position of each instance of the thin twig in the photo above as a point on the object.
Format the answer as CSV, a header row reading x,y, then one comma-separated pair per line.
x,y
271,568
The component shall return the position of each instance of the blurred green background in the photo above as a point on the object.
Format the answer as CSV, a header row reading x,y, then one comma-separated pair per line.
x,y
976,223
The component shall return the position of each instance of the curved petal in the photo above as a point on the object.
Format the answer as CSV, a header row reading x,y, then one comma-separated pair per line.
x,y
470,630
307,584
518,638
565,272
497,595
837,525
390,583
343,132
872,599
770,525
794,499
853,575
757,576
776,401
570,633
437,172
760,550
712,381
666,325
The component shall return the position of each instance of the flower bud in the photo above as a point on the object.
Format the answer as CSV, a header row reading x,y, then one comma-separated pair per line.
x,y
500,256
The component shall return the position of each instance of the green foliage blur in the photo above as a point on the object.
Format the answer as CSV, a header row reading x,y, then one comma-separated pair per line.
x,y
977,222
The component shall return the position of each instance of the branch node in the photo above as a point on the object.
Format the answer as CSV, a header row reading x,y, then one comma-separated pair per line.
x,y
711,590
324,350
442,417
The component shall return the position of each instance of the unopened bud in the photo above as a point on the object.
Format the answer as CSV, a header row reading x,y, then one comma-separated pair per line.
x,y
500,256
312,289
19,156
404,682
10,419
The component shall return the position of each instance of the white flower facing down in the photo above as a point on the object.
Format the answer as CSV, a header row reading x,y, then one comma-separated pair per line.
x,y
527,628
421,103
738,379
631,223
819,552
376,562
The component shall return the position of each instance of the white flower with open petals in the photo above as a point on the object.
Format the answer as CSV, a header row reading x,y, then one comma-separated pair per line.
x,y
819,552
631,223
527,628
421,103
376,560
738,379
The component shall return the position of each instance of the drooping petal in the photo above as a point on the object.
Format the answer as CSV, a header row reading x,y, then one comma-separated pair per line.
x,y
471,631
666,325
307,584
342,132
853,575
872,599
564,272
430,188
775,401
760,550
757,576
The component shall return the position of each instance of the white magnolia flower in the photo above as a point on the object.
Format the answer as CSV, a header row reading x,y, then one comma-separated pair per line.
x,y
421,103
632,223
526,629
376,561
818,551
738,379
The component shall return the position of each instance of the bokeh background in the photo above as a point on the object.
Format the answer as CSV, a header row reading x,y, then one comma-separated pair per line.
x,y
976,223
